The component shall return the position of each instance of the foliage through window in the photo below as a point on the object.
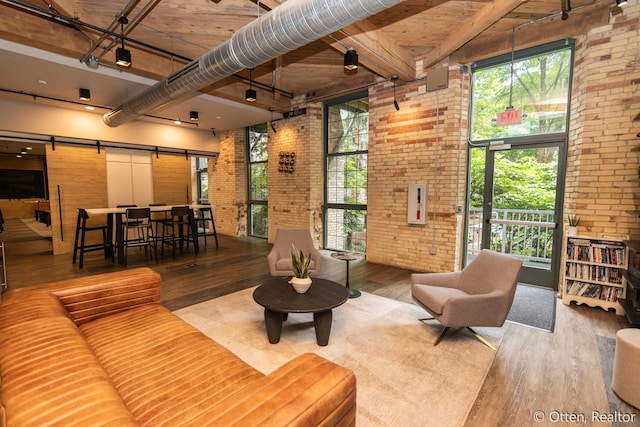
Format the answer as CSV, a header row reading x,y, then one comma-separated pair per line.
x,y
257,139
203,179
347,144
539,86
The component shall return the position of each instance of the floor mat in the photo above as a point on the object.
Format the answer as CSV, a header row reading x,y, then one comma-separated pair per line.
x,y
534,306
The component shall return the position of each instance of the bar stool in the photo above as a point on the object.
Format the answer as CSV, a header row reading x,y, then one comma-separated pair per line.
x,y
157,218
206,216
81,231
176,229
139,221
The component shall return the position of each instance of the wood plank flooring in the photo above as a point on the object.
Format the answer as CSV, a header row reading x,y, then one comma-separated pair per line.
x,y
533,370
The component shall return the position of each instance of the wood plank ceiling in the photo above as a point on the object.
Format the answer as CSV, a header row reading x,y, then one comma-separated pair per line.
x,y
389,43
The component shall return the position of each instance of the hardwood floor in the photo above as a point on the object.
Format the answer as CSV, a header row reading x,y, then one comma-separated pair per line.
x,y
533,370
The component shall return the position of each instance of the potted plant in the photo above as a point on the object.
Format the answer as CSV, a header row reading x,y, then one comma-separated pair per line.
x,y
300,266
573,224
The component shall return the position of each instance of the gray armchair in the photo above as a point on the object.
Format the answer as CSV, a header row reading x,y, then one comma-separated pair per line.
x,y
280,256
481,294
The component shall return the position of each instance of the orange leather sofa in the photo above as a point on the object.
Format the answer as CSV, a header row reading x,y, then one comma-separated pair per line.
x,y
101,350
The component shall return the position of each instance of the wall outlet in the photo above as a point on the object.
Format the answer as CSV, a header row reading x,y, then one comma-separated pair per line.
x,y
433,250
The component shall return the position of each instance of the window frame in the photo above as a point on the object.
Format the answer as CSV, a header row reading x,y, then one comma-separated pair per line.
x,y
327,156
251,202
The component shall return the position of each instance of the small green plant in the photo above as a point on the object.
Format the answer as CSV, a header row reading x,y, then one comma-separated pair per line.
x,y
299,263
574,220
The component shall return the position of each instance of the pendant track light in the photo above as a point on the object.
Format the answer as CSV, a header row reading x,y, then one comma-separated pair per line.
x,y
250,95
621,3
194,116
123,56
351,59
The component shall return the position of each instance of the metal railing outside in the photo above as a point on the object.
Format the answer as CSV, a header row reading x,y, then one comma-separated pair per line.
x,y
526,234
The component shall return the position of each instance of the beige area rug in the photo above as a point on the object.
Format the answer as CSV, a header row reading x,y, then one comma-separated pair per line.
x,y
402,379
41,229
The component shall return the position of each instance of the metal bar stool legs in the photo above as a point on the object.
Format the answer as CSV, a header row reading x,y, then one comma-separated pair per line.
x,y
80,244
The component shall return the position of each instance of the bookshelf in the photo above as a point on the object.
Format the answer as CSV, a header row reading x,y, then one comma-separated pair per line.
x,y
595,272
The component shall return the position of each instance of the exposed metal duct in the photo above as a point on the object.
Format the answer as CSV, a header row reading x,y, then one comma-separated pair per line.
x,y
289,26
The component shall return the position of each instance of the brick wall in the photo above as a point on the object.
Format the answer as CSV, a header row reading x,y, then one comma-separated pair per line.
x,y
601,168
228,185
295,199
423,142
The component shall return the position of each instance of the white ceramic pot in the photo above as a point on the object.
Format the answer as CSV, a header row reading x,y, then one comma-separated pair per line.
x,y
573,230
301,285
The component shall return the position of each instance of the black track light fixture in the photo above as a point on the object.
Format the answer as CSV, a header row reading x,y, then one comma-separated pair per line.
x,y
566,9
193,116
395,101
351,59
123,56
621,3
84,94
273,127
250,95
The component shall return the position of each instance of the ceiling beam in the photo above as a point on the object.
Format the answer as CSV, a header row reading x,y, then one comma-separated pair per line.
x,y
580,21
376,52
483,19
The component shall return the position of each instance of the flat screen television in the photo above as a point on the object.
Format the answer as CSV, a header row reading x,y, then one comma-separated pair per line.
x,y
21,184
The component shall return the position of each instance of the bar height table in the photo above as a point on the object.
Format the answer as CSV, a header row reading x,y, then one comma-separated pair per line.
x,y
119,213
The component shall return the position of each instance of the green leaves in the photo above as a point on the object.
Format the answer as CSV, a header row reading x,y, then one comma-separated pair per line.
x,y
299,263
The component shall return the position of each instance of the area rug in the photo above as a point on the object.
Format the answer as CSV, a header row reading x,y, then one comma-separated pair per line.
x,y
534,306
39,228
402,378
607,351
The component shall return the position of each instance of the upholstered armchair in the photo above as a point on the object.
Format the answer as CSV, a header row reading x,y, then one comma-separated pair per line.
x,y
280,256
480,294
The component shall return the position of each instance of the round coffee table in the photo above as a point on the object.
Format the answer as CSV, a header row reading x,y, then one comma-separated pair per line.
x,y
279,299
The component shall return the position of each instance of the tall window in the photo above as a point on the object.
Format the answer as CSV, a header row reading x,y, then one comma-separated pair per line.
x,y
534,85
347,144
257,137
202,176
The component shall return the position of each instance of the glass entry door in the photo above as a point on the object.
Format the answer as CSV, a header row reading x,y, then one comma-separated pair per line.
x,y
515,208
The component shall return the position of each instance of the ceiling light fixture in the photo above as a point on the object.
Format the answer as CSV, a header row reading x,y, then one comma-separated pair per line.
x,y
193,116
93,62
621,3
250,95
85,94
351,59
273,128
23,151
395,102
123,56
177,122
566,10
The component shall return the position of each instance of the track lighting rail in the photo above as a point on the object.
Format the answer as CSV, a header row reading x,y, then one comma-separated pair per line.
x,y
54,140
50,14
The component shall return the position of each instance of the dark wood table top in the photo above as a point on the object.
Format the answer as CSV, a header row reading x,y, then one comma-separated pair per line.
x,y
278,295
